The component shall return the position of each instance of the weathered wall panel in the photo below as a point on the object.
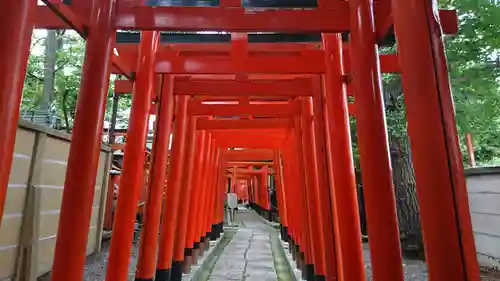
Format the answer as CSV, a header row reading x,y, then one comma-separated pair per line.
x,y
14,206
47,185
483,186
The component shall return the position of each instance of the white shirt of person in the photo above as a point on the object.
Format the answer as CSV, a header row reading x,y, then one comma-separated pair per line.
x,y
232,200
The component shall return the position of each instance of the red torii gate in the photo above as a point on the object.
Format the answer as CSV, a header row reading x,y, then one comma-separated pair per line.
x,y
248,155
323,247
259,89
437,160
261,198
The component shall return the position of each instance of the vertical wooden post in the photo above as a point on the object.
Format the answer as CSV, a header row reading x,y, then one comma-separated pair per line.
x,y
376,170
79,186
203,208
114,115
291,196
437,160
169,220
149,236
220,195
316,217
110,198
264,199
211,225
330,225
194,201
470,150
306,252
16,26
27,264
132,178
184,198
199,203
104,199
281,195
341,165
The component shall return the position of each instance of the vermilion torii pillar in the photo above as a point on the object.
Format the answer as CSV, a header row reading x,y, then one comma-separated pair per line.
x,y
191,239
316,217
264,193
209,224
201,203
146,263
378,188
293,236
341,165
16,27
192,138
437,160
206,223
133,162
281,195
79,186
222,190
293,157
174,185
330,225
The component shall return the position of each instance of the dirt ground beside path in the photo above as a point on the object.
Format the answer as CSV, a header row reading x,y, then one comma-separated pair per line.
x,y
256,243
416,270
95,266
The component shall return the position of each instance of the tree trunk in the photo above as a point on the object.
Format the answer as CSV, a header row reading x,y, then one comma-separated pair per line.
x,y
408,210
406,198
48,71
361,204
65,111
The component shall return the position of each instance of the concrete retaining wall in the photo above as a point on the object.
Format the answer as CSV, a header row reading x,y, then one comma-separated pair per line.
x,y
483,186
34,198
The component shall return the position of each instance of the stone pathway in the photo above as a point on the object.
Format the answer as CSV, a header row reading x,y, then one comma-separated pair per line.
x,y
249,255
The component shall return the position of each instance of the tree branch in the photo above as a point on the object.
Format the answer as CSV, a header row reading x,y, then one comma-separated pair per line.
x,y
36,43
34,76
62,66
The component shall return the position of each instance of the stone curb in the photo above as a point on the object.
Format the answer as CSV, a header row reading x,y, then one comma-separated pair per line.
x,y
269,223
197,269
291,263
294,271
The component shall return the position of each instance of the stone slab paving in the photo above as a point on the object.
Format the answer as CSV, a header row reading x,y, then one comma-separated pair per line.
x,y
248,257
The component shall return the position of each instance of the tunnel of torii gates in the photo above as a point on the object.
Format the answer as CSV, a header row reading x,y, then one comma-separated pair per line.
x,y
291,98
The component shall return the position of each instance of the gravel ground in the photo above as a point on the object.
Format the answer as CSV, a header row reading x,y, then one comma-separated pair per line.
x,y
95,267
249,256
416,270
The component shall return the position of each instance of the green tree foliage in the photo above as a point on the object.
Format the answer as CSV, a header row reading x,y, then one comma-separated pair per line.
x,y
474,65
67,74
